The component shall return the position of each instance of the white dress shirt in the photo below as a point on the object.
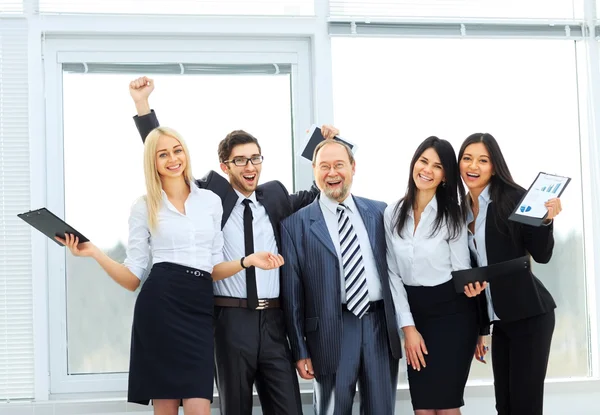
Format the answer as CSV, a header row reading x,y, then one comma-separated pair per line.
x,y
420,259
193,239
329,209
477,241
267,282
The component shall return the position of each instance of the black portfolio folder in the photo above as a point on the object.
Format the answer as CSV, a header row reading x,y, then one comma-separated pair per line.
x,y
481,274
50,225
315,138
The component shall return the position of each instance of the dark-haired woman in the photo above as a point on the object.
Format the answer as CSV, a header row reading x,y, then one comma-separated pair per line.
x,y
427,240
519,306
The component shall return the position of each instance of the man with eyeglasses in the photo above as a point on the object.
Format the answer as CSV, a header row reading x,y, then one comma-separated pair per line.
x,y
250,337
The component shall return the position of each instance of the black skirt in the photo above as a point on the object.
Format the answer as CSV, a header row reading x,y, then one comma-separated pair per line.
x,y
448,323
172,336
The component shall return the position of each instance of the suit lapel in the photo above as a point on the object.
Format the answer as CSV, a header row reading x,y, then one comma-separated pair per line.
x,y
229,201
490,233
370,222
318,226
218,184
368,219
271,213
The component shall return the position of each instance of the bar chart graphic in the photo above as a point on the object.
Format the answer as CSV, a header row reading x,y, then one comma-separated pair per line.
x,y
552,188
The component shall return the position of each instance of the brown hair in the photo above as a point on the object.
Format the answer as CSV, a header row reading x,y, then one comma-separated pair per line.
x,y
233,139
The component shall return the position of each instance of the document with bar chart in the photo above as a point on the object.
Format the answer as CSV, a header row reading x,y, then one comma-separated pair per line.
x,y
531,209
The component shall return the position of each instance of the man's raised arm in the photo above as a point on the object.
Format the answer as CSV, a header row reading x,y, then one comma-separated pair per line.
x,y
145,120
304,198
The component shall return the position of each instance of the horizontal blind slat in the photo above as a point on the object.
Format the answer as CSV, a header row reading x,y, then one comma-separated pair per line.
x,y
11,7
186,7
393,9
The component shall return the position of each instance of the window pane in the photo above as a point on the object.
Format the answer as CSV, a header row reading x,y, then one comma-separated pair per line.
x,y
104,176
524,92
184,7
361,9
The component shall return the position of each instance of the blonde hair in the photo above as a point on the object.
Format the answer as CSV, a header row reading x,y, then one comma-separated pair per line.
x,y
153,182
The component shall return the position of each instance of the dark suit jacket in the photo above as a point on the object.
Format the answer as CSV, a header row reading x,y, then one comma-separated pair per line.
x,y
519,294
273,195
310,284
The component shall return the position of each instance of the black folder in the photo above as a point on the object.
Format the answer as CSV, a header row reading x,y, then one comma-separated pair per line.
x,y
315,137
481,274
50,225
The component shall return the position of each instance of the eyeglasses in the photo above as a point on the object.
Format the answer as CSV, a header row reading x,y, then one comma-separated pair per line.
x,y
243,161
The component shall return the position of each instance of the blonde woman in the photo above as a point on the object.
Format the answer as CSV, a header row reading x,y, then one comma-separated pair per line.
x,y
179,226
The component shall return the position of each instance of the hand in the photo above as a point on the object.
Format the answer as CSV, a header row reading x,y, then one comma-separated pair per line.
x,y
414,346
473,291
554,208
481,350
305,369
264,260
141,88
77,249
329,131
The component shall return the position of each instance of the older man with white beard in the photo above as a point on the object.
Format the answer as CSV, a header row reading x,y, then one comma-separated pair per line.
x,y
336,293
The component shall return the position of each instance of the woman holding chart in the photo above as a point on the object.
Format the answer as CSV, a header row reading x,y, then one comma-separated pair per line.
x,y
519,306
179,225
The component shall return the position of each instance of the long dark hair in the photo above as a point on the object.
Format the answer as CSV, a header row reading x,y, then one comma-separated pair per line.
x,y
450,196
500,182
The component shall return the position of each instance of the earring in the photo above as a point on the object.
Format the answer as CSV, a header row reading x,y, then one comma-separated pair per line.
x,y
443,184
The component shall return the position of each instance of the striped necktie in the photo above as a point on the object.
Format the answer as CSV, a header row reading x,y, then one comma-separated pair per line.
x,y
357,294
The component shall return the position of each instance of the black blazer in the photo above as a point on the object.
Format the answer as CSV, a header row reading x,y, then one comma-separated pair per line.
x,y
273,195
518,294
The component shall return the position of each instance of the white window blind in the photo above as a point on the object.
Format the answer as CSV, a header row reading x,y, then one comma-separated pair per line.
x,y
185,7
16,303
180,68
361,10
11,6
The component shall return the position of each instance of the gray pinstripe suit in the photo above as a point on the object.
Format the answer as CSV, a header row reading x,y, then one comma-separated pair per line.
x,y
344,350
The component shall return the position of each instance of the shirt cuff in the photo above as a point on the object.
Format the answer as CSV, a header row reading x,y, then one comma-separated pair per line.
x,y
137,271
406,319
139,117
549,223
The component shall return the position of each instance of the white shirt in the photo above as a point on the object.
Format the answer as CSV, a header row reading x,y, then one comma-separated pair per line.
x,y
419,259
267,282
477,241
193,239
329,209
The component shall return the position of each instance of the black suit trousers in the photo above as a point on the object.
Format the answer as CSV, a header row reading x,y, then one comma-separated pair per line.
x,y
520,351
251,348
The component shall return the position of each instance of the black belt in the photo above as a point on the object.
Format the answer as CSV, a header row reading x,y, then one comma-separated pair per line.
x,y
263,303
373,306
183,268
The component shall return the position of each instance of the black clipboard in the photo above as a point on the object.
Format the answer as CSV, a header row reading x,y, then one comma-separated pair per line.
x,y
50,225
488,273
315,137
554,189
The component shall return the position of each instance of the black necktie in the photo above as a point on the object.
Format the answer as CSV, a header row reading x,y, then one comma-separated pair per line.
x,y
251,292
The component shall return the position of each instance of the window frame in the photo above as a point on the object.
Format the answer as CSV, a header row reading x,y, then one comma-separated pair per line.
x,y
132,49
